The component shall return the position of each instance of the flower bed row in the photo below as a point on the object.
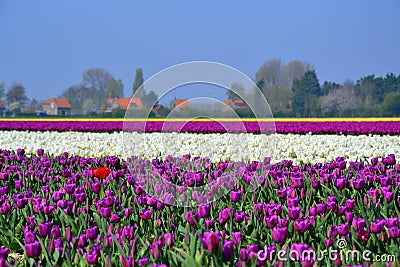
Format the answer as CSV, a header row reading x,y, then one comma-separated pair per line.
x,y
237,147
70,210
367,127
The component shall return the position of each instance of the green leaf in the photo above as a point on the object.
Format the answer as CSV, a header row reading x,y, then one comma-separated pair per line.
x,y
193,244
120,250
6,231
187,261
56,255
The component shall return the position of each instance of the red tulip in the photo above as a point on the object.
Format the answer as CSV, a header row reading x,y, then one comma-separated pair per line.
x,y
101,172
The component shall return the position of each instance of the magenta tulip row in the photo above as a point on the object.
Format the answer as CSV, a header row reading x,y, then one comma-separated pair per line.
x,y
296,127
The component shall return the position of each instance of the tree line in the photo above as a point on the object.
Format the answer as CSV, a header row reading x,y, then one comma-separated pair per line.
x,y
292,90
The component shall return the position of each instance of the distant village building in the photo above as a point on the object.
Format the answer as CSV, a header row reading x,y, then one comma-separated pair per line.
x,y
57,107
235,104
180,103
122,103
2,107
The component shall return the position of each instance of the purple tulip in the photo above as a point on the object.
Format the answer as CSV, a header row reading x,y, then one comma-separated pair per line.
x,y
252,250
312,211
44,228
342,210
80,197
92,257
156,249
34,249
392,222
210,241
281,193
333,232
92,232
224,215
363,235
292,202
329,242
67,234
243,254
145,214
96,187
190,182
301,225
271,221
297,182
227,250
394,232
279,234
376,227
343,229
239,216
374,161
391,159
105,212
82,242
359,184
191,217
128,212
350,204
235,195
30,237
349,216
388,196
237,238
294,212
151,201
203,210
4,251
128,232
321,208
143,261
315,183
127,262
55,232
18,184
209,223
340,183
198,177
167,239
114,218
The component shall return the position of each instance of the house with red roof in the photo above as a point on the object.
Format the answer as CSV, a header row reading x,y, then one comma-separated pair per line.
x,y
57,107
122,103
180,103
235,104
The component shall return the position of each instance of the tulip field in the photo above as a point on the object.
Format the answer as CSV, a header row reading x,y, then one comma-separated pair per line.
x,y
327,196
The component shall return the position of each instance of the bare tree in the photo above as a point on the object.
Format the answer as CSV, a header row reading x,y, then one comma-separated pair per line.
x,y
16,97
88,106
115,88
235,87
34,105
97,79
77,95
293,70
270,71
340,101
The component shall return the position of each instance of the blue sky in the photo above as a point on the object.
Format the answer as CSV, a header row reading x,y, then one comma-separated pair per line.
x,y
47,45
